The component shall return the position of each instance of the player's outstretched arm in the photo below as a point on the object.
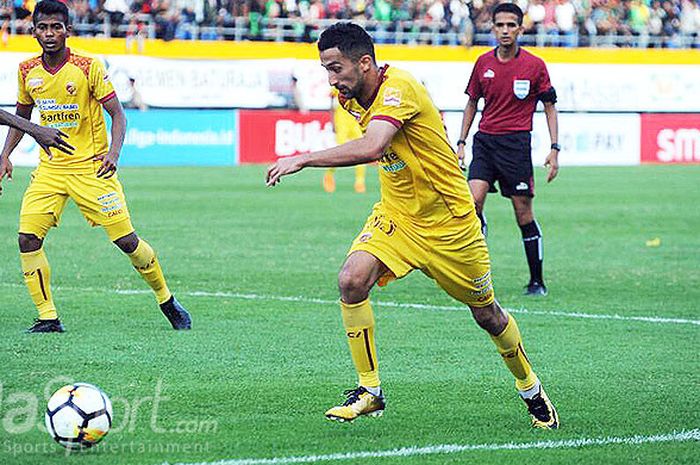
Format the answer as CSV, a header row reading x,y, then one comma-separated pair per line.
x,y
45,137
13,137
111,158
367,148
552,160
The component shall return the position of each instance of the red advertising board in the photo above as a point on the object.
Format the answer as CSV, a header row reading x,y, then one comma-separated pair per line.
x,y
670,138
266,135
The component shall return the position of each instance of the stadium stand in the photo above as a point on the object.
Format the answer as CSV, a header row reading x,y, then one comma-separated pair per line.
x,y
564,23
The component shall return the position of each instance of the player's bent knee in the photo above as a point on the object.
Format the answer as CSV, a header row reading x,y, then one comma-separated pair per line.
x,y
127,243
29,242
353,285
490,318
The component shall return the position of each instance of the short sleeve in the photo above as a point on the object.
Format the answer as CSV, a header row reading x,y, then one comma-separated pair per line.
x,y
396,103
23,97
474,87
543,82
100,85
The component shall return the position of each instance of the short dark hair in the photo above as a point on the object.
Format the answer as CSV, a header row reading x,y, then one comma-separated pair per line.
x,y
50,7
508,8
352,41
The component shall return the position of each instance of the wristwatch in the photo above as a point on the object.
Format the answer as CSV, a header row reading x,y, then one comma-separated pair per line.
x,y
461,142
556,147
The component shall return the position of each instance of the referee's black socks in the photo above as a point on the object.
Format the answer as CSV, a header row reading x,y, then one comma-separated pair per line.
x,y
532,240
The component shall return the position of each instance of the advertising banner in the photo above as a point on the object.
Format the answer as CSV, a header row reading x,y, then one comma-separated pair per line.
x,y
266,135
180,137
586,139
160,138
670,138
267,83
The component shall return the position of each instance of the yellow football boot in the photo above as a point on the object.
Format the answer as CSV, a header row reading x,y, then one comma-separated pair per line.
x,y
359,402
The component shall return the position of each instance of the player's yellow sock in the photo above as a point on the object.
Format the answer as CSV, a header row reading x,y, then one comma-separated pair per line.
x,y
329,180
360,171
510,346
146,263
37,276
358,320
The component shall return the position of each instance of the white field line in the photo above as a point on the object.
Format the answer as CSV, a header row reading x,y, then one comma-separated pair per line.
x,y
691,435
380,303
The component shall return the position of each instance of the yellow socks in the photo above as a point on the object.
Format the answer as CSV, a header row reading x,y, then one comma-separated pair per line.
x,y
510,346
358,321
37,276
146,263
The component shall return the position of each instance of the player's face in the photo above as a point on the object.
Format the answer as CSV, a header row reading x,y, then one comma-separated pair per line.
x,y
51,32
343,74
506,28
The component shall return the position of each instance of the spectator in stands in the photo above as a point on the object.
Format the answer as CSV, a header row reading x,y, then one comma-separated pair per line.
x,y
565,15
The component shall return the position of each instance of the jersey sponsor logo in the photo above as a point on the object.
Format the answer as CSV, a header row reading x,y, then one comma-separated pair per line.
x,y
489,74
392,97
70,88
523,186
58,115
391,163
521,88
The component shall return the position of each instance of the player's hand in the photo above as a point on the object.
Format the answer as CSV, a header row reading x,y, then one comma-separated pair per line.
x,y
109,165
50,137
283,167
5,170
460,156
552,162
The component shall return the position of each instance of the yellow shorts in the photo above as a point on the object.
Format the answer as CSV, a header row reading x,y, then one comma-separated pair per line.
x,y
101,201
454,253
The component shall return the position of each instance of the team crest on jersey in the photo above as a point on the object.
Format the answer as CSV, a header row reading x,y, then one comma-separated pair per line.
x,y
70,88
392,97
489,73
521,88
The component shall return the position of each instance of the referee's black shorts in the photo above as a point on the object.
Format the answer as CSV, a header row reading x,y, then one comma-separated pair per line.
x,y
504,158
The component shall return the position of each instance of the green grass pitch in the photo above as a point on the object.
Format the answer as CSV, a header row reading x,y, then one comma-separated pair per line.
x,y
267,356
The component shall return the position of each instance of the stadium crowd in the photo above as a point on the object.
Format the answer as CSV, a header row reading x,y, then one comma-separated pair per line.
x,y
662,23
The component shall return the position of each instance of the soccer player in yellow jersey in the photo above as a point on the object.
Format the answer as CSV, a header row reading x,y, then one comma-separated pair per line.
x,y
425,219
70,90
345,128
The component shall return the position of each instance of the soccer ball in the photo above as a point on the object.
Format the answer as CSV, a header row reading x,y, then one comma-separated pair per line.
x,y
78,415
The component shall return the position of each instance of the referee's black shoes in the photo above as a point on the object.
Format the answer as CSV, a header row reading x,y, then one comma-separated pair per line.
x,y
535,288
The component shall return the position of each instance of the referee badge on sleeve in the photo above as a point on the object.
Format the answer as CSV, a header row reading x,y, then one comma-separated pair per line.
x,y
521,88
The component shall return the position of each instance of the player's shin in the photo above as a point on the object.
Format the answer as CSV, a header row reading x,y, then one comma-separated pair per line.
x,y
510,346
146,263
358,320
37,276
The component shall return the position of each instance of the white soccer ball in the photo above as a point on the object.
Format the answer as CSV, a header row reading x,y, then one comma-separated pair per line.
x,y
78,415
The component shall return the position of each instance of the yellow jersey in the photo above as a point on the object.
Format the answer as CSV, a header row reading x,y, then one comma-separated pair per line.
x,y
419,174
69,97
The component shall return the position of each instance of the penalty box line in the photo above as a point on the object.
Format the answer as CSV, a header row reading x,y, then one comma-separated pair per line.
x,y
680,436
380,303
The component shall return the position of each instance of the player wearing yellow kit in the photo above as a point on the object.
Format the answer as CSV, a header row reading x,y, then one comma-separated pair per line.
x,y
70,90
345,128
425,219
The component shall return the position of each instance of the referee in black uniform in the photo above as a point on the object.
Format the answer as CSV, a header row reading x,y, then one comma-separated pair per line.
x,y
511,81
